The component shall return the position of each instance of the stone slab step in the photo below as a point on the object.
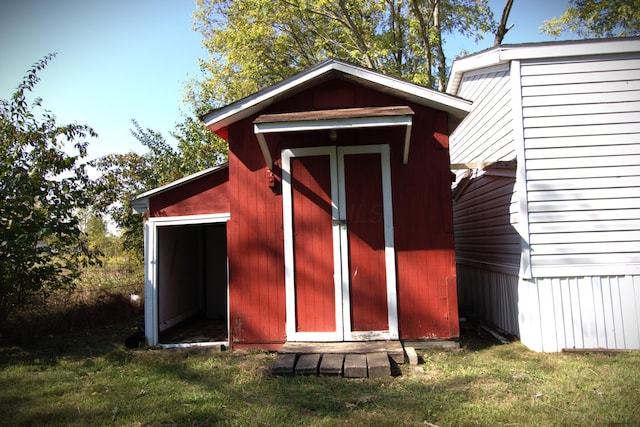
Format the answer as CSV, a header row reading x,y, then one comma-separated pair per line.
x,y
284,364
355,366
331,364
378,365
308,364
393,348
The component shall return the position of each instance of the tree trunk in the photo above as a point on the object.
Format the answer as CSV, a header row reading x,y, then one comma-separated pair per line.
x,y
440,58
424,35
502,27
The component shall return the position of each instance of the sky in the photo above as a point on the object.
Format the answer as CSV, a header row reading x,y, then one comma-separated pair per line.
x,y
120,60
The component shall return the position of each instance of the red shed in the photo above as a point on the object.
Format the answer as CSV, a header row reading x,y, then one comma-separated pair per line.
x,y
331,222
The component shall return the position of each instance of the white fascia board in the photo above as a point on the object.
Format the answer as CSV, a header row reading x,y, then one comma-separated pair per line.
x,y
442,101
140,205
545,50
224,116
253,103
570,48
475,62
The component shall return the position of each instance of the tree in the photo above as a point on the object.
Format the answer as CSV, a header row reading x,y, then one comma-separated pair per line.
x,y
123,176
42,188
255,43
597,18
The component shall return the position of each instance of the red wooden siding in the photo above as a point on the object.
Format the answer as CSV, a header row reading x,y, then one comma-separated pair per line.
x,y
365,222
255,246
427,303
425,254
313,245
206,195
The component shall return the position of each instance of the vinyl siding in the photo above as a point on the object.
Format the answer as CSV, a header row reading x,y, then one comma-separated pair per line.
x,y
582,148
485,221
486,135
576,202
490,296
580,312
485,210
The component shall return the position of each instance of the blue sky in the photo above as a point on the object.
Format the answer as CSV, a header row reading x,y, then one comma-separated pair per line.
x,y
128,59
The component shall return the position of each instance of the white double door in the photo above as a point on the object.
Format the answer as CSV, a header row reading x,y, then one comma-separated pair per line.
x,y
340,268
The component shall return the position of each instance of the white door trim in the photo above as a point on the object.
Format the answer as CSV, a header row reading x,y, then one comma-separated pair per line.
x,y
151,265
340,244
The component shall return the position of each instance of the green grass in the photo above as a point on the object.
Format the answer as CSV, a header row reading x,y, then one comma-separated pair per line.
x,y
89,378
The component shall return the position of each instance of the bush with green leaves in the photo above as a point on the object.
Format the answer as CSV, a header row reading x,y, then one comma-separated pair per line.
x,y
43,185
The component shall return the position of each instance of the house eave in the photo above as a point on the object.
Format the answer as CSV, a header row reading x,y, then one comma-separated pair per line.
x,y
544,50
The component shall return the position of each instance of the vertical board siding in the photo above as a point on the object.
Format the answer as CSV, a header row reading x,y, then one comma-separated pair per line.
x,y
206,195
490,296
426,276
313,245
580,312
366,247
255,245
582,150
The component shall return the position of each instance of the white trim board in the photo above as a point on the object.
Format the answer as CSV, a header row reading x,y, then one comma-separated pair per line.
x,y
458,108
151,265
331,124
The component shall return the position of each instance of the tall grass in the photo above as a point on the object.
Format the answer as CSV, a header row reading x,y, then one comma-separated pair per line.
x,y
102,294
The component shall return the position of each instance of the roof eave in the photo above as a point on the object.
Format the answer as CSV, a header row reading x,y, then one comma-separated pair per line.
x,y
543,50
140,203
458,108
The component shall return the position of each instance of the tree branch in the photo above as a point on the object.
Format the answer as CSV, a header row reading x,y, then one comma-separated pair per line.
x,y
502,27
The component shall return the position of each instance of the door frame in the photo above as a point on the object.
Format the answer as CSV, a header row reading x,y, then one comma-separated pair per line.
x,y
340,244
151,271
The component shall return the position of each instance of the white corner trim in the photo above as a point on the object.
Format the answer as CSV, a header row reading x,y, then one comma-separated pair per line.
x,y
521,171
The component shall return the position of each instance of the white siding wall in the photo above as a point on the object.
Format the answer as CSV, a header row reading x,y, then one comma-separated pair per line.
x,y
576,131
580,312
484,218
582,150
485,209
486,135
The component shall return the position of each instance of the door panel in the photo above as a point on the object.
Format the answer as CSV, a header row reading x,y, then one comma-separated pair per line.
x,y
366,245
338,238
313,244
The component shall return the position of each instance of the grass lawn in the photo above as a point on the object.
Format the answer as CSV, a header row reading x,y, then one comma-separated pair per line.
x,y
89,378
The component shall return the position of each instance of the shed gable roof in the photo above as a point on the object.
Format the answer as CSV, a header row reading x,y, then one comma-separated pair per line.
x,y
457,108
140,202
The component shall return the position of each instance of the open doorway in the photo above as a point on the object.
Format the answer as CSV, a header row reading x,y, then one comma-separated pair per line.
x,y
192,284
